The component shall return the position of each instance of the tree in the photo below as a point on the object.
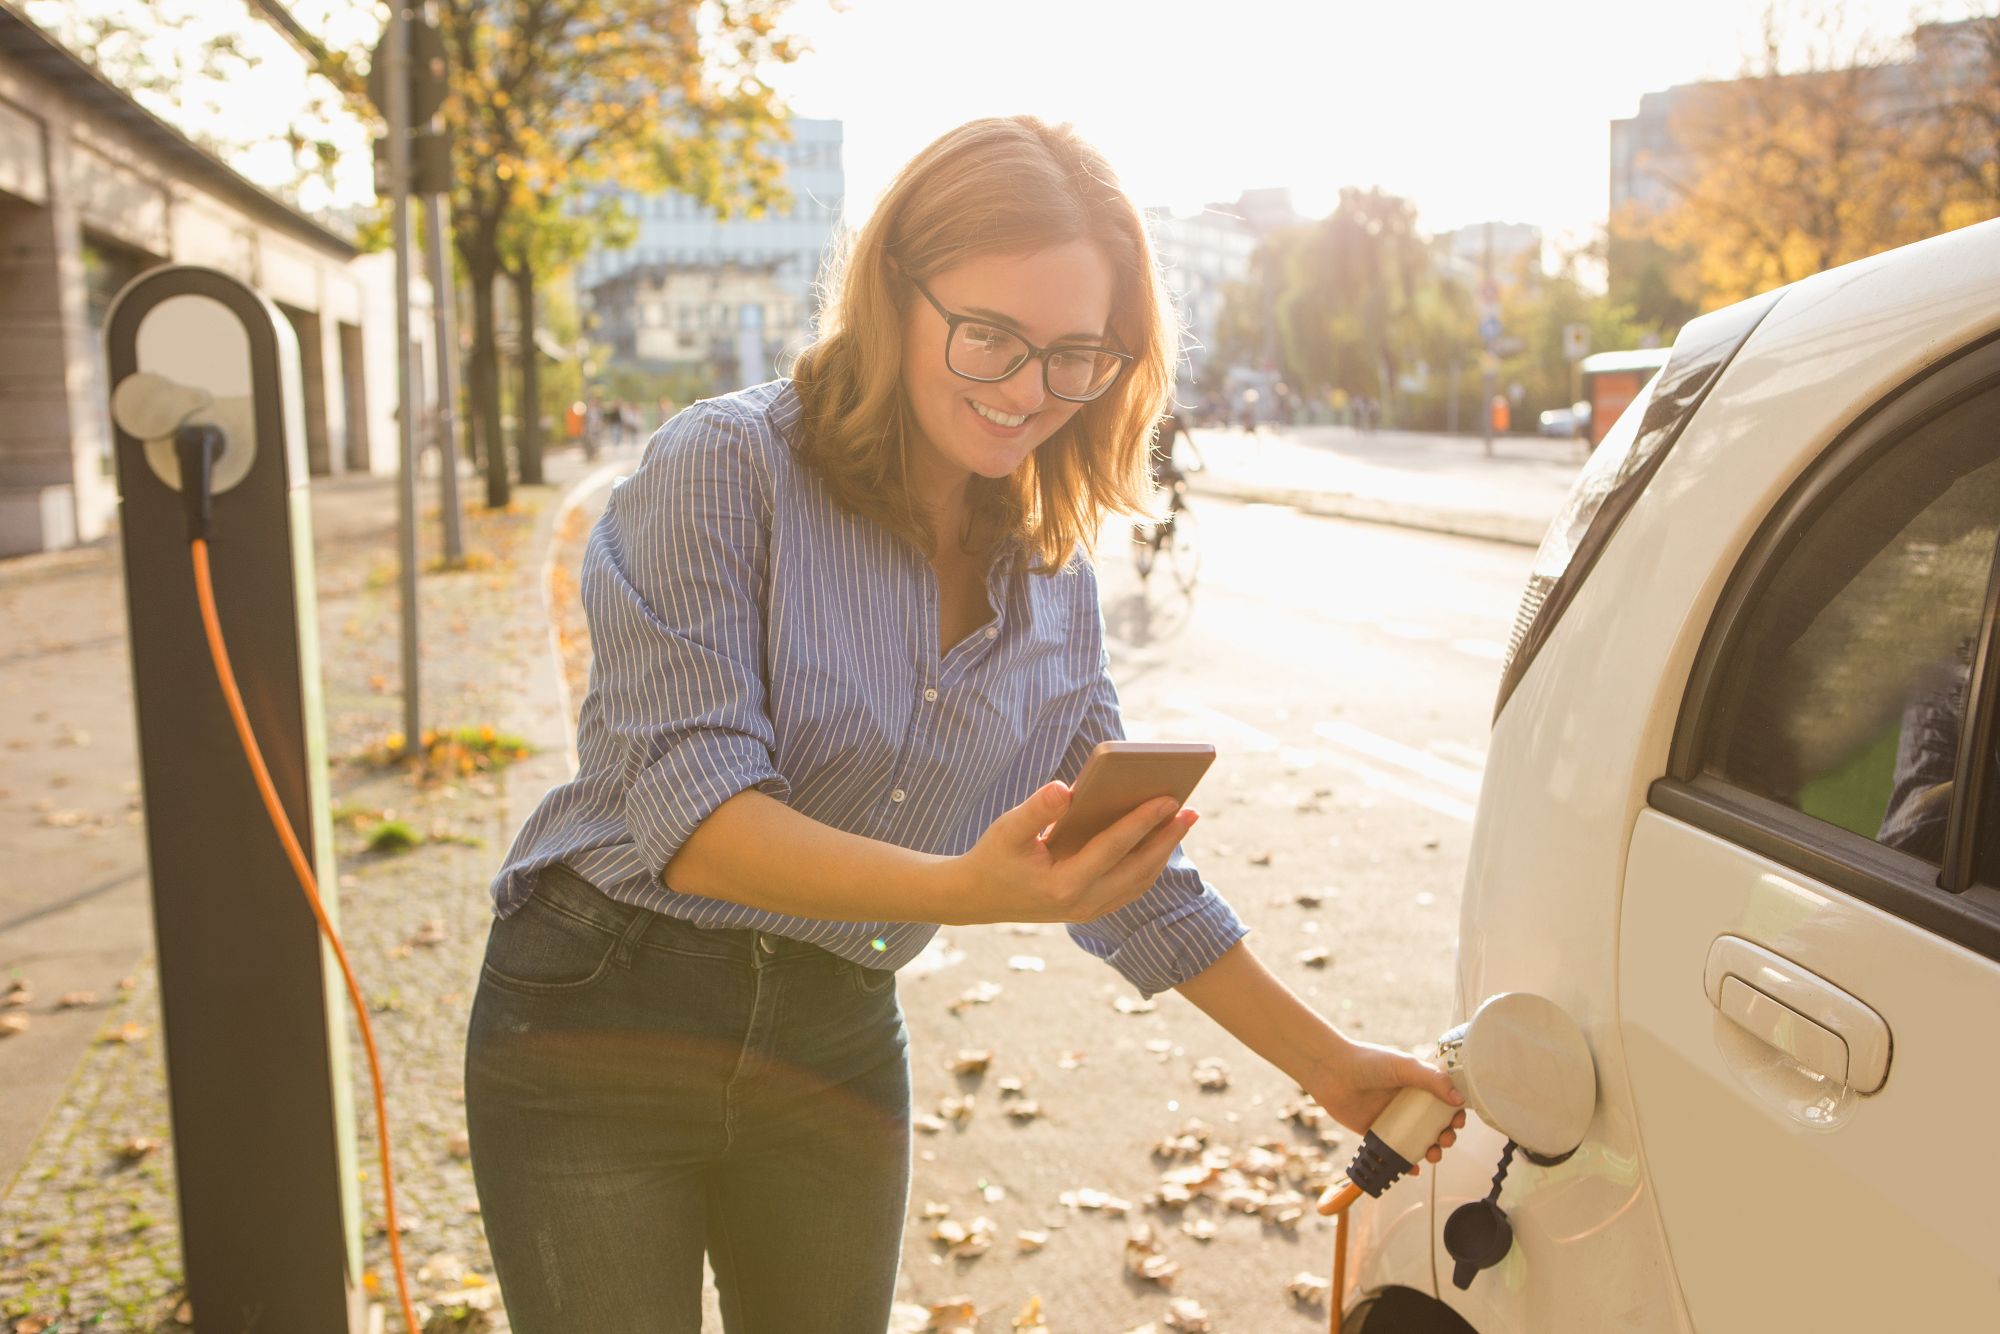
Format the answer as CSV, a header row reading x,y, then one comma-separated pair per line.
x,y
1958,68
552,97
1784,174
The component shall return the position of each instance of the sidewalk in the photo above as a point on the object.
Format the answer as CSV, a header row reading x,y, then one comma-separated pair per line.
x,y
88,1235
1441,483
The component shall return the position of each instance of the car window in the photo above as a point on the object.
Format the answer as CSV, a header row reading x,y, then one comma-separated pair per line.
x,y
1845,693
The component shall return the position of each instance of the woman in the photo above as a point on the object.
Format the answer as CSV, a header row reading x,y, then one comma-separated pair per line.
x,y
843,640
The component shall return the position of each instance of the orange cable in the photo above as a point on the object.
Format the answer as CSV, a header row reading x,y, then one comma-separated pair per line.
x,y
219,651
1337,1199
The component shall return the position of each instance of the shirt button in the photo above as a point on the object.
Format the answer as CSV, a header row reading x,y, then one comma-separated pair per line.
x,y
930,695
898,795
764,944
992,632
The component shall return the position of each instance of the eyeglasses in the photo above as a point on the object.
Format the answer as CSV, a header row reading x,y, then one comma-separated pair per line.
x,y
977,350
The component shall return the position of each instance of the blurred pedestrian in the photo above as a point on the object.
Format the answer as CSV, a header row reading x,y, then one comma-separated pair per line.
x,y
849,659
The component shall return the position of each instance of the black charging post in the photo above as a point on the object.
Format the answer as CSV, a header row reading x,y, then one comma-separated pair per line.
x,y
205,372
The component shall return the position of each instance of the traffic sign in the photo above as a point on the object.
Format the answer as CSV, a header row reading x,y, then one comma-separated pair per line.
x,y
428,79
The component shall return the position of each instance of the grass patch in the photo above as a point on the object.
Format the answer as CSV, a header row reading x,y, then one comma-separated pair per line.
x,y
445,753
393,836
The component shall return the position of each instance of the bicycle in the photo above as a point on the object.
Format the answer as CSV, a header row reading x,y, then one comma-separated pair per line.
x,y
1177,533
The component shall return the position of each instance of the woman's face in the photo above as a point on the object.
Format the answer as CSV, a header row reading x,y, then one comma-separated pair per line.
x,y
1051,297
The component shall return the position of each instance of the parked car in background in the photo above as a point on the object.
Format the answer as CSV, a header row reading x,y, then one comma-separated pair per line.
x,y
1741,820
1564,423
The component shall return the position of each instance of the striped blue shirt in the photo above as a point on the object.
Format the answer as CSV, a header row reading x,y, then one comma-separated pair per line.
x,y
749,633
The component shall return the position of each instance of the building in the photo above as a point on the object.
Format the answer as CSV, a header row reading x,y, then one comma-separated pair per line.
x,y
764,270
94,189
1507,247
1201,256
734,321
1646,155
1204,254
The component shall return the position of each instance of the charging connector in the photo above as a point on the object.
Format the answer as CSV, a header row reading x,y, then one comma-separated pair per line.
x,y
196,448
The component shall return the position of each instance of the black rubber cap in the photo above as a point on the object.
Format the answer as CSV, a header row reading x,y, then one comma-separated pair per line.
x,y
1376,1166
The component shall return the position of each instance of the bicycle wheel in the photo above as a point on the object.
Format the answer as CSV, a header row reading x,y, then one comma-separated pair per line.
x,y
1145,547
1184,547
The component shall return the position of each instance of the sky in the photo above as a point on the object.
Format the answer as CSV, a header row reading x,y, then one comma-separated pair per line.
x,y
1475,109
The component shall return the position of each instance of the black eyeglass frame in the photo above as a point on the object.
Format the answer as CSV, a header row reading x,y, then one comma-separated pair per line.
x,y
1041,354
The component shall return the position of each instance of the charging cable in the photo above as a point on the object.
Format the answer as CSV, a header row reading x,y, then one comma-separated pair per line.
x,y
197,448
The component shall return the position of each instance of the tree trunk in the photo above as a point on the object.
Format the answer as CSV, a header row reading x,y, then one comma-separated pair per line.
x,y
528,407
485,380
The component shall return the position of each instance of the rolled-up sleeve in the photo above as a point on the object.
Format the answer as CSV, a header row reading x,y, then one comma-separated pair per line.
x,y
673,588
1176,928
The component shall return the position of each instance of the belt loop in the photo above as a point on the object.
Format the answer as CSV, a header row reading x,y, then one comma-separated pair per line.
x,y
629,937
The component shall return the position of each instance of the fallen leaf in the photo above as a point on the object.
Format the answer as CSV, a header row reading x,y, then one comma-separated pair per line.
x,y
1027,963
19,992
10,1024
1133,1005
1309,1289
1024,1110
459,1146
431,933
982,993
1070,1060
127,1034
956,1109
1261,859
1031,1316
969,1062
1316,956
33,1324
954,1315
1187,1316
925,1124
1144,1259
1201,1229
1030,1242
69,1000
1212,1075
132,1150
1094,1200
1011,1087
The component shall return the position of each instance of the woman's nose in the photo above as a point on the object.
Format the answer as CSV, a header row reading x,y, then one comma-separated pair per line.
x,y
1026,389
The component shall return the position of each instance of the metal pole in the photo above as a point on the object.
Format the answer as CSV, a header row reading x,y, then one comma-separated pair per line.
x,y
445,332
398,112
1487,379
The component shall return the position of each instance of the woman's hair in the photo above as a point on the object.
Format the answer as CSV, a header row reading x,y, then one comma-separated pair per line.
x,y
1001,186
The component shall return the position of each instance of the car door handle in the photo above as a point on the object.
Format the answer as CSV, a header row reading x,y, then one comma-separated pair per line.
x,y
1817,1024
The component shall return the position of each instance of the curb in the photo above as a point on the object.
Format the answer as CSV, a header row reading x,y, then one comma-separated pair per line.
x,y
1511,529
541,714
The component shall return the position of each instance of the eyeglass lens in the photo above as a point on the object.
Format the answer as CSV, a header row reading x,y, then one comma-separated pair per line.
x,y
983,352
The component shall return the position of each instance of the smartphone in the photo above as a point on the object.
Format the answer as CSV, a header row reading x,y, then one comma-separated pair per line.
x,y
1122,775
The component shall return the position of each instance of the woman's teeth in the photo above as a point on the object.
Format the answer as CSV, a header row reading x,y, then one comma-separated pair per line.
x,y
997,418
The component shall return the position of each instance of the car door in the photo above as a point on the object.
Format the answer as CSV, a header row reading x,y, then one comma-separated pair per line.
x,y
1809,968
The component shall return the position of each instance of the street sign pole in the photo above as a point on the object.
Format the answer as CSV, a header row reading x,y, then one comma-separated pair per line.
x,y
1488,372
396,48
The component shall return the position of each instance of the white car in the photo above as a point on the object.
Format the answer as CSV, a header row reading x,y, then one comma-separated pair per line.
x,y
1739,822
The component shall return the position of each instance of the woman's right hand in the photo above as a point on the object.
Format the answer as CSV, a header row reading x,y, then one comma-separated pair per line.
x,y
1009,875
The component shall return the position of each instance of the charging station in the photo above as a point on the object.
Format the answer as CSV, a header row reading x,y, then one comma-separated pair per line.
x,y
252,1010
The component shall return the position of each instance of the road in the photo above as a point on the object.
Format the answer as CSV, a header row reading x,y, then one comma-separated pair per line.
x,y
1346,673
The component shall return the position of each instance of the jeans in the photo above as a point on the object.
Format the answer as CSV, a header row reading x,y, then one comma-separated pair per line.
x,y
639,1090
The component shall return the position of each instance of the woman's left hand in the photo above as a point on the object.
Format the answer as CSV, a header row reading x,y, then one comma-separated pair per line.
x,y
1358,1083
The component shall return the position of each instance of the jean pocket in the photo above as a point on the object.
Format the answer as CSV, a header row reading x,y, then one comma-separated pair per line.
x,y
543,951
868,981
